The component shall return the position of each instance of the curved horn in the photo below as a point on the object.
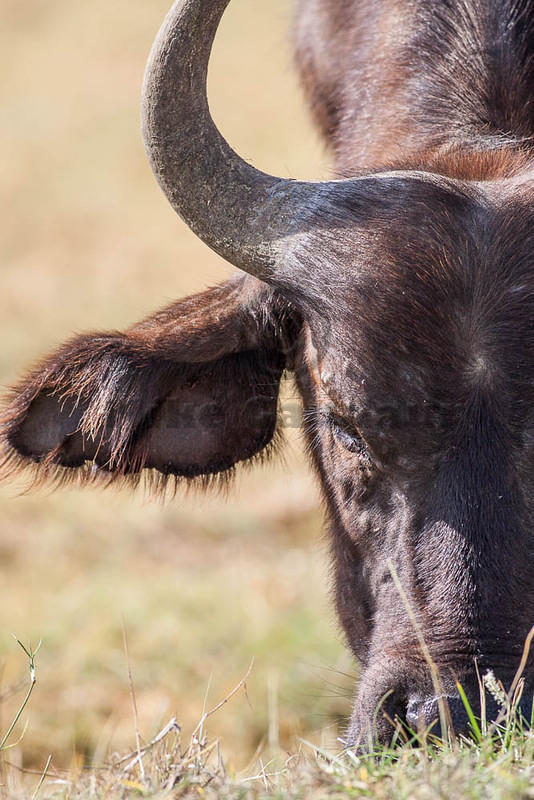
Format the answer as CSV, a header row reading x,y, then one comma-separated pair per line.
x,y
241,213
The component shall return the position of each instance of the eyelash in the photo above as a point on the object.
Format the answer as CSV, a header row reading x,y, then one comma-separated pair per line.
x,y
350,438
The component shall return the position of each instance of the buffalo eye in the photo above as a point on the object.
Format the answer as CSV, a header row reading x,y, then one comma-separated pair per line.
x,y
351,439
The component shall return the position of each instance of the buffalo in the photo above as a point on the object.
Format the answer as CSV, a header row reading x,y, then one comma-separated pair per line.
x,y
400,296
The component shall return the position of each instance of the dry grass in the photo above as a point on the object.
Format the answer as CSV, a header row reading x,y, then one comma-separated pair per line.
x,y
497,764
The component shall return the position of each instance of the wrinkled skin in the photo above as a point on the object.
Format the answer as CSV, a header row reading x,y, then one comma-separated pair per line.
x,y
412,345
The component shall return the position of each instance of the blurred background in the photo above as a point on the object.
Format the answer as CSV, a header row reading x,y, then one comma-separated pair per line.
x,y
87,241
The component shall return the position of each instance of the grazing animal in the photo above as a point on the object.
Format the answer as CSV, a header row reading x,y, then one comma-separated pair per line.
x,y
400,296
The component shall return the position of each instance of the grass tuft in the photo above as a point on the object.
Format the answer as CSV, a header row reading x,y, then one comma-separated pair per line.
x,y
494,765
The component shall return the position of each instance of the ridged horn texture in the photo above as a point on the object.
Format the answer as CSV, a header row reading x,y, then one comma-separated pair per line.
x,y
240,212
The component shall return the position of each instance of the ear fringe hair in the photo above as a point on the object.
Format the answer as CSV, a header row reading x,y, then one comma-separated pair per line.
x,y
154,484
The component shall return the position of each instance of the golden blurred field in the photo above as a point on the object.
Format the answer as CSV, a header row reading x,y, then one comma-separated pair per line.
x,y
87,241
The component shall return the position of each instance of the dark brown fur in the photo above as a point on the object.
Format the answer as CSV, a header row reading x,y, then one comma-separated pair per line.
x,y
410,334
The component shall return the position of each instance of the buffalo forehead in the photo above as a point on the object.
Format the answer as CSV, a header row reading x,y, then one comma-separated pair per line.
x,y
419,327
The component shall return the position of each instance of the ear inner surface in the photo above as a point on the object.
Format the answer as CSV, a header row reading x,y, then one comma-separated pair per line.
x,y
209,423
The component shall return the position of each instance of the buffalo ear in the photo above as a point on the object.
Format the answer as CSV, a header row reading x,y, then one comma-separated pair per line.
x,y
188,393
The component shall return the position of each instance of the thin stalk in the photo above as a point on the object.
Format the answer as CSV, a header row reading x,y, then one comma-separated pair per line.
x,y
31,658
43,776
444,711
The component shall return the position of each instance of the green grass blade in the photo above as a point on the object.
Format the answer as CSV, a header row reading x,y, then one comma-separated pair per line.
x,y
475,727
